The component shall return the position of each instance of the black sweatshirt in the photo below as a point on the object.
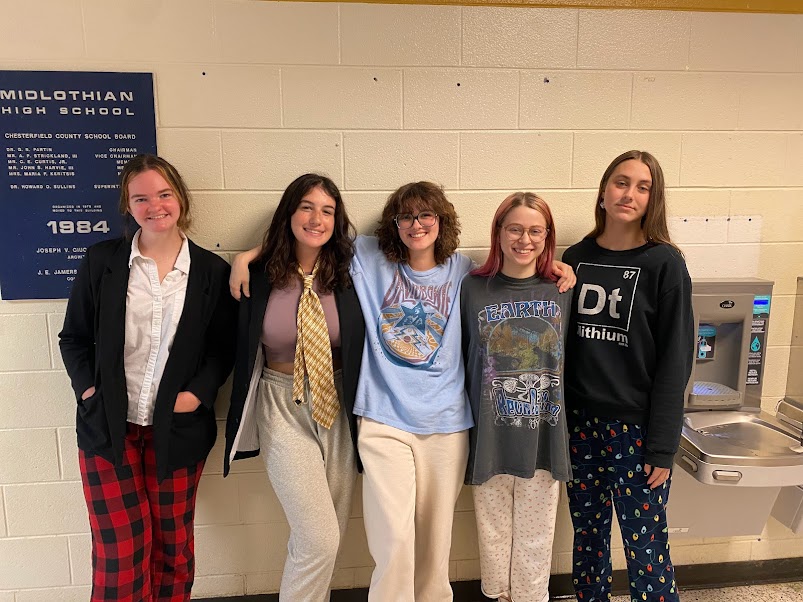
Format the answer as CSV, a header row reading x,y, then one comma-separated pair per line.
x,y
631,340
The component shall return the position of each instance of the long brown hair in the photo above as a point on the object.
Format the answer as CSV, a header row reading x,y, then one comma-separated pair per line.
x,y
148,162
412,197
278,246
653,224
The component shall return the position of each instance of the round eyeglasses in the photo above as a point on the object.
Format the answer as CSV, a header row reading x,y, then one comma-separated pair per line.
x,y
516,231
405,221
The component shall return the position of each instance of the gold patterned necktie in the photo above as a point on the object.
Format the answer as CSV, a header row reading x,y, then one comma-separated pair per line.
x,y
314,355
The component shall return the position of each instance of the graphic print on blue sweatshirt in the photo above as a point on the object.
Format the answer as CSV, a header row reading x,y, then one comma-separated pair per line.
x,y
412,320
605,301
522,371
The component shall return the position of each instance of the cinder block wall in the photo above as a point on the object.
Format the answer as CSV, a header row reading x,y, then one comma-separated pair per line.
x,y
483,100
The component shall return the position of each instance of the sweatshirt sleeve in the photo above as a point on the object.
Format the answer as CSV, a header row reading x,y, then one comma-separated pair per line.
x,y
674,342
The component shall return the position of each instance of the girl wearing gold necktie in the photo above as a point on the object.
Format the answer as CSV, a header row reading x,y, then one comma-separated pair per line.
x,y
300,341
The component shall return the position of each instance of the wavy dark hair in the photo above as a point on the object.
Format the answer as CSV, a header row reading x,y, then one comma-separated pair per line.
x,y
653,224
148,162
278,246
412,198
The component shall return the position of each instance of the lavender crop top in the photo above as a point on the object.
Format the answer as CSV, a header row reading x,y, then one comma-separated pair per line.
x,y
279,325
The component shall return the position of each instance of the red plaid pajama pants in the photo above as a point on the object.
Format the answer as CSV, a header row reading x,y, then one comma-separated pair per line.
x,y
142,530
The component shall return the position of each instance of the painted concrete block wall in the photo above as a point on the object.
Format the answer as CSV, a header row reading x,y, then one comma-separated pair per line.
x,y
484,101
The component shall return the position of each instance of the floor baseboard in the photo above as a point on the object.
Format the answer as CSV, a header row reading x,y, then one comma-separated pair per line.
x,y
691,576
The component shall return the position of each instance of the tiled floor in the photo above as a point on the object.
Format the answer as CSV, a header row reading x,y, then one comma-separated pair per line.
x,y
779,592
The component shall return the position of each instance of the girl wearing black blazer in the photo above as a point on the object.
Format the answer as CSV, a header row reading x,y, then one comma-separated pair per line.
x,y
147,341
311,462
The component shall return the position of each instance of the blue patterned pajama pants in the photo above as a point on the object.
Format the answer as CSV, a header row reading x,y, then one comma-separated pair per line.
x,y
608,464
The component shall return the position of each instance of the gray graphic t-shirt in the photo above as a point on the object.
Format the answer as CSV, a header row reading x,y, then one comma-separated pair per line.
x,y
514,334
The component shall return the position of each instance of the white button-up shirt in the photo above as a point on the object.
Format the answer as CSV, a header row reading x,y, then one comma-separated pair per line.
x,y
152,312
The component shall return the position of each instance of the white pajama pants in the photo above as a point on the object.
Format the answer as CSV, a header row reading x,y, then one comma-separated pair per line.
x,y
516,527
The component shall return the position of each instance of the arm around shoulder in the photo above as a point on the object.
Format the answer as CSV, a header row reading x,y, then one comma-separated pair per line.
x,y
240,277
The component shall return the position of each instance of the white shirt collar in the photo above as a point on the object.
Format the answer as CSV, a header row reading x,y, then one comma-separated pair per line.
x,y
182,261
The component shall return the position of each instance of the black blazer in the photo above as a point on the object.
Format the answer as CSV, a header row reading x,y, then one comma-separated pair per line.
x,y
249,333
200,359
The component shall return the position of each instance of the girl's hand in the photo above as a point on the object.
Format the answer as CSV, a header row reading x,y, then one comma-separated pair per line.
x,y
240,277
565,275
88,393
186,402
656,476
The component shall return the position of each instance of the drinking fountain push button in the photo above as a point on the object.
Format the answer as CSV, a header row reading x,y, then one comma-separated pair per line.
x,y
727,476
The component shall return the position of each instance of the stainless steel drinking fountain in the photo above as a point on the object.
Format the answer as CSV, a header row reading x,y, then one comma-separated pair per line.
x,y
788,507
734,457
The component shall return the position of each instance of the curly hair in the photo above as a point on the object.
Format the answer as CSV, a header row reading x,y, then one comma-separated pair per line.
x,y
412,198
278,246
147,162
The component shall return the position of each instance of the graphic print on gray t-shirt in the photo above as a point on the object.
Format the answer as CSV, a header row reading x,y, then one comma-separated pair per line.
x,y
514,336
522,361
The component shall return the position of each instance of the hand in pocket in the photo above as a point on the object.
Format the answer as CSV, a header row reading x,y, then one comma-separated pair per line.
x,y
186,402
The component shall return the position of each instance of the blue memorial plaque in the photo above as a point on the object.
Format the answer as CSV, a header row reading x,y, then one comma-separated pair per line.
x,y
66,136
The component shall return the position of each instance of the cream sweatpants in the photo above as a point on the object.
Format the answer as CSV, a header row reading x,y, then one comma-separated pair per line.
x,y
410,486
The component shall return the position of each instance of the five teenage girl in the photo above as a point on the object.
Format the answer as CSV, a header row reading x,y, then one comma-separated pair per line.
x,y
298,402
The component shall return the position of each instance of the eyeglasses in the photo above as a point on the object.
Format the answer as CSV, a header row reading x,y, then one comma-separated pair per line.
x,y
516,231
405,221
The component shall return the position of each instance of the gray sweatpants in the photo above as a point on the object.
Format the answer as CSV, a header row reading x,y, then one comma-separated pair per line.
x,y
312,470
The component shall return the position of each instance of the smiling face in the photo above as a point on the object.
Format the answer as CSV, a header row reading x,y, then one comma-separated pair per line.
x,y
522,240
417,238
153,203
627,192
313,221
